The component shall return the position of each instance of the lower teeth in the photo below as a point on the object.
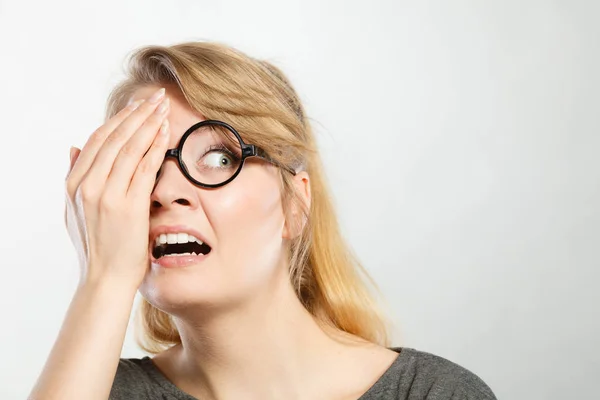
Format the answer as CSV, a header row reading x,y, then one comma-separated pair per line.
x,y
181,254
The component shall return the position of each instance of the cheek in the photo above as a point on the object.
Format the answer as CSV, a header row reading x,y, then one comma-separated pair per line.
x,y
248,219
248,211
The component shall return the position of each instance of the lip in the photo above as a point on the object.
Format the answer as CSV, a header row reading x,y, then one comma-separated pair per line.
x,y
176,261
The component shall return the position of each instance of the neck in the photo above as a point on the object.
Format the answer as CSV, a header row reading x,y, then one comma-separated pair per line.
x,y
269,348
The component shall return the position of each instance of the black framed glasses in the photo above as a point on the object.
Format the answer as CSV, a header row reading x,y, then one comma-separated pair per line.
x,y
211,154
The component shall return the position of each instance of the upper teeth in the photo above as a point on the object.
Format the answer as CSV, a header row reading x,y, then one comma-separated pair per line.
x,y
172,238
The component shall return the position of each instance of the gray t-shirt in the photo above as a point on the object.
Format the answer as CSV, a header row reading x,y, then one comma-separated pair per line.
x,y
414,375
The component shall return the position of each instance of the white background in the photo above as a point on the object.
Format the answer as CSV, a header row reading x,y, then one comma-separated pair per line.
x,y
460,138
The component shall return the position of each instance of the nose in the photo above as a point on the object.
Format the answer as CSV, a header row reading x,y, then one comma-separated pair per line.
x,y
172,189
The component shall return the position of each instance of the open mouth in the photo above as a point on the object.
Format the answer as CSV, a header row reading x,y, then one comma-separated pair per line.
x,y
178,244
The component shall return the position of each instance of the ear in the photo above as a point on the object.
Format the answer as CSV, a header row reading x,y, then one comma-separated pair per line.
x,y
295,219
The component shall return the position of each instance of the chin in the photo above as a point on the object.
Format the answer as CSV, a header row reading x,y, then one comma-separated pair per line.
x,y
174,289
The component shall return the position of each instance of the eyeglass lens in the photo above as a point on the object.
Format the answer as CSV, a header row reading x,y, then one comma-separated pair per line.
x,y
212,154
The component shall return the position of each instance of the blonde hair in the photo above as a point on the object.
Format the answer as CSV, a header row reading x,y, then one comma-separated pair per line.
x,y
257,99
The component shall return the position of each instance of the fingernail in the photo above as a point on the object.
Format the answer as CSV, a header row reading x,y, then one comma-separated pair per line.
x,y
157,96
164,128
135,104
164,106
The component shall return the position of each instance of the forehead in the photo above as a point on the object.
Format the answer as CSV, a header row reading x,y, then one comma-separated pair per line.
x,y
181,116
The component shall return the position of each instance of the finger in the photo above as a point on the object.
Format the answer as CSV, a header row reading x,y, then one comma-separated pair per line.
x,y
94,143
143,116
73,155
144,177
133,151
72,152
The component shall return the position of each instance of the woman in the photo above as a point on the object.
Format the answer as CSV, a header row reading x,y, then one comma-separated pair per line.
x,y
204,191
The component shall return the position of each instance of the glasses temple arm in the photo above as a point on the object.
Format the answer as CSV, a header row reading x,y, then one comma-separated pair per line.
x,y
262,154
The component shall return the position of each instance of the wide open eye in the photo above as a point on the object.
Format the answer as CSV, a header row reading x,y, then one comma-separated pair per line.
x,y
218,158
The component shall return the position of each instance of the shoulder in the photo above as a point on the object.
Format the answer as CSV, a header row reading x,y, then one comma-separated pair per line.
x,y
421,375
132,380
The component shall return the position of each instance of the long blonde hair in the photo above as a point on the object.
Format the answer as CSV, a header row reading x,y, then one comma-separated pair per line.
x,y
254,96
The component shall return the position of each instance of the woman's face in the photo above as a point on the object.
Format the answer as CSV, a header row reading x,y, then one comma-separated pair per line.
x,y
242,222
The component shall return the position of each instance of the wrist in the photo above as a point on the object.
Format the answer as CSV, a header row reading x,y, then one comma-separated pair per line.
x,y
110,285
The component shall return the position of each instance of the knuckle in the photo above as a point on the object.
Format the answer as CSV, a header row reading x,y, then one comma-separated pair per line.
x,y
128,149
87,193
146,166
97,136
115,136
108,202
